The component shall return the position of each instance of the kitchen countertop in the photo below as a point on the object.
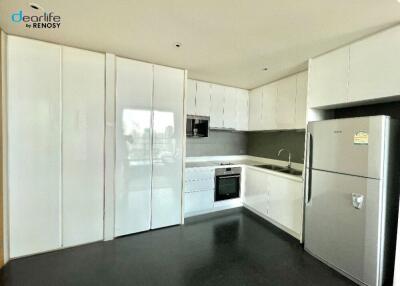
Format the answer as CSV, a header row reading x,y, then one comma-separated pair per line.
x,y
247,161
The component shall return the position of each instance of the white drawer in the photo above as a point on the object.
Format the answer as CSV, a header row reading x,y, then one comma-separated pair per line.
x,y
199,201
199,185
194,174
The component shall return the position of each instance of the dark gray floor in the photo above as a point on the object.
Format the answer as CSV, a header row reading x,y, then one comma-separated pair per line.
x,y
229,248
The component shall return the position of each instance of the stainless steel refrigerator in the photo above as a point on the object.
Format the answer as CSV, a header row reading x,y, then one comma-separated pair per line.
x,y
351,196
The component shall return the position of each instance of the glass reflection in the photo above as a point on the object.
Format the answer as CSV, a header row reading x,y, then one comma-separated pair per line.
x,y
164,149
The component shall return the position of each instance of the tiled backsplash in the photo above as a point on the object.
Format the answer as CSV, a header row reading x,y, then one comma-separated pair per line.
x,y
218,143
259,144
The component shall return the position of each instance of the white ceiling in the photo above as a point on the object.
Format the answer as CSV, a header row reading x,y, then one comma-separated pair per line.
x,y
223,41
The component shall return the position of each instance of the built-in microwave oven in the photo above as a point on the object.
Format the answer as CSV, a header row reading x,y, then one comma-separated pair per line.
x,y
197,126
227,183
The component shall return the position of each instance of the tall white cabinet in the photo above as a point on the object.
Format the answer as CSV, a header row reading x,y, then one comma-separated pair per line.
x,y
83,98
149,151
133,166
167,149
34,146
55,137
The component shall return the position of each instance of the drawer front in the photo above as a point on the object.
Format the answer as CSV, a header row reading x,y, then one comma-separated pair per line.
x,y
199,201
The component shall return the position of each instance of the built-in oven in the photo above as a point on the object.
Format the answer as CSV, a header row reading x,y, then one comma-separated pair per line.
x,y
227,183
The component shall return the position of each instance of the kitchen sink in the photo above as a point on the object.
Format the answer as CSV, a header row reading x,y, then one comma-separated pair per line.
x,y
281,169
291,171
271,167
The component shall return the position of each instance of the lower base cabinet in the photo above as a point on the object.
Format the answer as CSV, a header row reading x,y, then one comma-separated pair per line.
x,y
278,199
198,202
199,190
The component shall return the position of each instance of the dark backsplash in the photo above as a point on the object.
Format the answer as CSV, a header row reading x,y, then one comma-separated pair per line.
x,y
259,144
267,144
218,143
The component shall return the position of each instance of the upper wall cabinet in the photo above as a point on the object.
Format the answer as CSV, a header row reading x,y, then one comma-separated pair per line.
x,y
227,107
301,100
279,105
242,110
374,66
286,103
191,89
329,78
203,101
255,109
268,107
230,111
364,71
217,106
198,100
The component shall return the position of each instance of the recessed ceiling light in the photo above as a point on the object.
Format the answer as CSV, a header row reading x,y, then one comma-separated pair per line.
x,y
178,45
35,6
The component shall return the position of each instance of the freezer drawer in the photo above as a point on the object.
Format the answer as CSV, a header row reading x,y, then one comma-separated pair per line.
x,y
342,225
349,146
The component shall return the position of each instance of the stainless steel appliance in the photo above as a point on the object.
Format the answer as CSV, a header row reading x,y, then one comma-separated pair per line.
x,y
351,198
227,183
197,126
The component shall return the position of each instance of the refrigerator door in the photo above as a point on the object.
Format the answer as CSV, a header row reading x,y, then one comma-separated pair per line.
x,y
342,223
350,146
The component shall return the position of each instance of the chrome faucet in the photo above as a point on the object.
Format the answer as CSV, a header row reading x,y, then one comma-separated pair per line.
x,y
290,156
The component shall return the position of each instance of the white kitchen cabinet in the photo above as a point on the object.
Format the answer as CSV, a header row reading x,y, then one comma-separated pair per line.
x,y
230,115
276,198
374,64
133,165
301,100
242,110
255,109
269,107
217,106
191,97
329,78
286,202
285,112
203,100
255,195
198,202
34,140
83,98
167,152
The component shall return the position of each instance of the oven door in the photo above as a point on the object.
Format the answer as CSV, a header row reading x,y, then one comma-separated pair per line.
x,y
227,187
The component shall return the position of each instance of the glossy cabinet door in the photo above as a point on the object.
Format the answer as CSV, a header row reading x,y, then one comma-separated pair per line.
x,y
255,195
255,109
269,107
329,78
301,101
191,97
230,108
83,98
133,165
166,203
286,203
217,106
34,143
285,112
374,66
242,110
203,101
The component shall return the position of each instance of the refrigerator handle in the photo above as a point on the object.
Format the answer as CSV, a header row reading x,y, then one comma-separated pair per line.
x,y
309,167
